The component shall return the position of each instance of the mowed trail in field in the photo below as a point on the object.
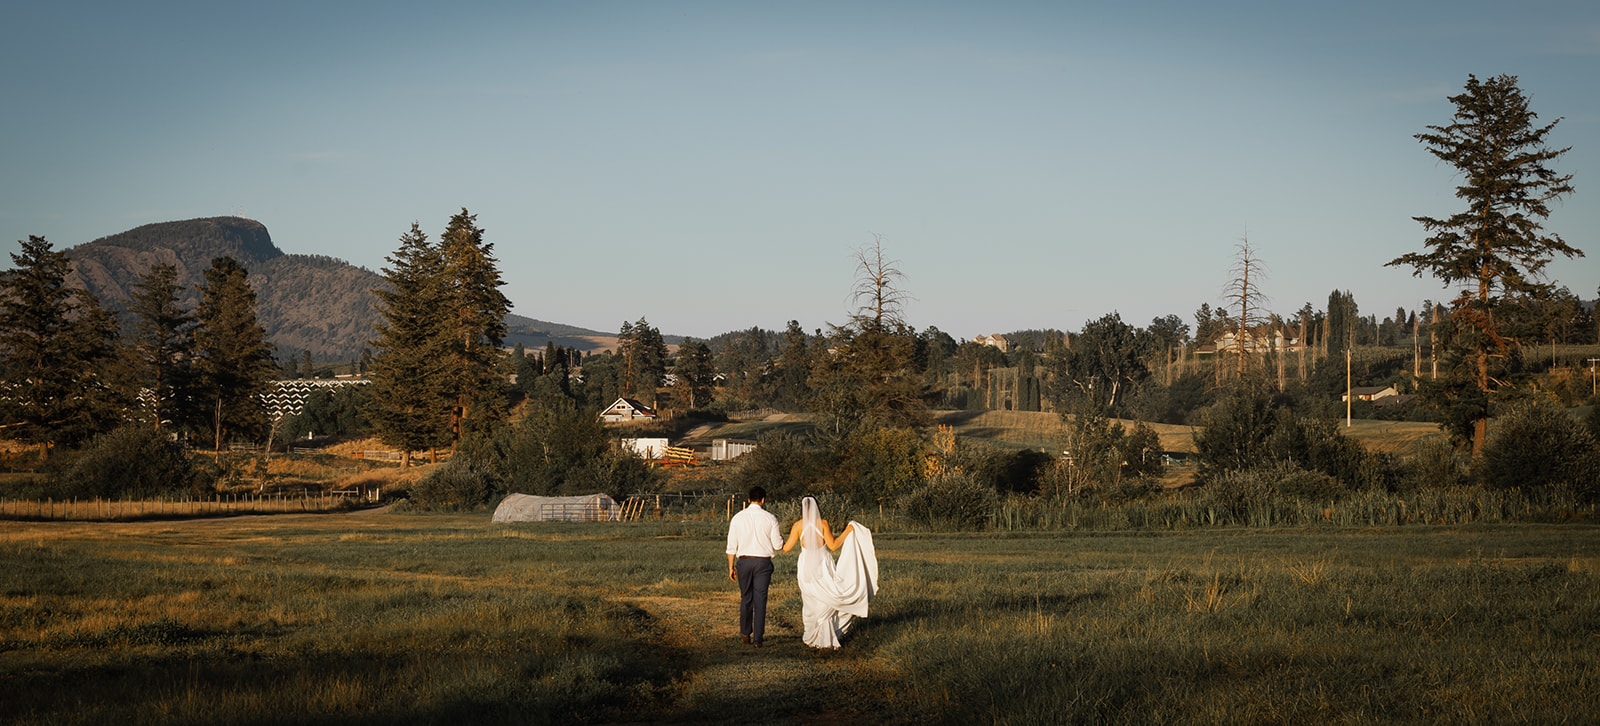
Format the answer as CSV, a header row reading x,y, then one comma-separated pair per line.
x,y
729,678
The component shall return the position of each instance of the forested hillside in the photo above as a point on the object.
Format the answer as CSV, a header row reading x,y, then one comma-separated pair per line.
x,y
306,302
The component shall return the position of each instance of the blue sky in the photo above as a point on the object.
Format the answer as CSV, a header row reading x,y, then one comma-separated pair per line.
x,y
712,166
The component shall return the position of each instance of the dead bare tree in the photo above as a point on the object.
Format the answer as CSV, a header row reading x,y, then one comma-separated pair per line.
x,y
1243,293
877,294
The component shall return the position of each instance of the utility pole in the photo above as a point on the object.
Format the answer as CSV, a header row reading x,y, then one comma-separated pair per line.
x,y
1347,386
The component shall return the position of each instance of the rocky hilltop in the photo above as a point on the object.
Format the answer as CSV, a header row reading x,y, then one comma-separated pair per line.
x,y
305,302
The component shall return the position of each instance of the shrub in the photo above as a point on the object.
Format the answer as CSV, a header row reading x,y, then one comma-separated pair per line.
x,y
133,461
1538,443
464,483
1016,472
1251,428
557,449
1240,492
783,464
881,463
951,499
1437,464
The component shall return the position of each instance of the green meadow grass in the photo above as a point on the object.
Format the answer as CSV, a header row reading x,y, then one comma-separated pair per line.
x,y
407,618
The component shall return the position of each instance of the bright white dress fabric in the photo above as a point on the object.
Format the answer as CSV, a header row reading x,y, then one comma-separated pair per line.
x,y
832,595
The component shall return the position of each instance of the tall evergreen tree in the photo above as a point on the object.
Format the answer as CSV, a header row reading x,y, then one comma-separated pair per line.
x,y
794,365
1344,317
408,406
644,359
1497,248
231,349
59,346
695,371
474,380
163,344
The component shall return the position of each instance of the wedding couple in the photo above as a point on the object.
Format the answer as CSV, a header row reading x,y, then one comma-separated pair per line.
x,y
831,594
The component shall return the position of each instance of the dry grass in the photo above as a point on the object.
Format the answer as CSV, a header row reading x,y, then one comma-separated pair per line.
x,y
405,618
1391,437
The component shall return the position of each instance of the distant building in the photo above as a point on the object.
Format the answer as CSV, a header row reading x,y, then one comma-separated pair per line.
x,y
1371,393
1261,339
994,341
627,409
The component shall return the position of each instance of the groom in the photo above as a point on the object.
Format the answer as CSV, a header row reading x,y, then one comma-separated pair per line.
x,y
753,535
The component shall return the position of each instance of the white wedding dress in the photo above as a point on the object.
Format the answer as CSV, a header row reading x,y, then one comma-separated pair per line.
x,y
834,595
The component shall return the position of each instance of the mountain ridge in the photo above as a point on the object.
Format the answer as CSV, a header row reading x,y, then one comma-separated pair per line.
x,y
310,303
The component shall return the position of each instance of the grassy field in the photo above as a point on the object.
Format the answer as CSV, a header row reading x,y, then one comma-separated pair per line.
x,y
387,617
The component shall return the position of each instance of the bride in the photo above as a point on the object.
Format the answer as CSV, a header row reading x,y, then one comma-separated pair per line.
x,y
832,595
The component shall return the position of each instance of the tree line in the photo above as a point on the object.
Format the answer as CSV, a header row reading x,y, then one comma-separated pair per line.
x,y
71,371
1263,386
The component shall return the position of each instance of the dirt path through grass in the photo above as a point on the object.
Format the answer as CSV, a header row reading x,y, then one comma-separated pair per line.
x,y
784,680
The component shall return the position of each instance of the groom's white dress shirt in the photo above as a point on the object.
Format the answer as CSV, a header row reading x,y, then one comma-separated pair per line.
x,y
753,532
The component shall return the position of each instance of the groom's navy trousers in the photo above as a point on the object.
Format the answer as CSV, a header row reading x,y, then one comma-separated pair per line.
x,y
755,574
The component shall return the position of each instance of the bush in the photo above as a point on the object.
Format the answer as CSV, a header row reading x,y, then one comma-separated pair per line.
x,y
781,463
557,449
1016,472
951,499
463,483
1437,464
1538,443
1238,494
133,461
1251,428
881,463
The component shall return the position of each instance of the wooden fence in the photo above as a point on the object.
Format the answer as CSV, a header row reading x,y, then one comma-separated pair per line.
x,y
90,510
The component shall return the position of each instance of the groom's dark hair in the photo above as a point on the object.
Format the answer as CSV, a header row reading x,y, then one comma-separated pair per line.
x,y
758,494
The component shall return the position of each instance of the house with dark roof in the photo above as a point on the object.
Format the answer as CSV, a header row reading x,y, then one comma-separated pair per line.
x,y
627,409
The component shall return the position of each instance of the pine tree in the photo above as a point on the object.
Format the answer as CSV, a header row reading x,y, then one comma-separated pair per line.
x,y
475,380
408,405
59,347
794,365
695,371
231,349
644,358
1496,249
163,343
